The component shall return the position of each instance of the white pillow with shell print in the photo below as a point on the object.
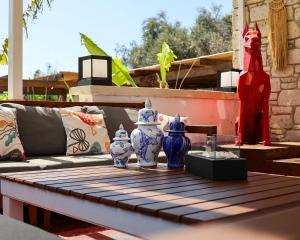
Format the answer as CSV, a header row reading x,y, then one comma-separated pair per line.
x,y
11,148
86,133
165,121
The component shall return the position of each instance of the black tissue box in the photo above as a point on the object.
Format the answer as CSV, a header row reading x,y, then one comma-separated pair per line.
x,y
216,169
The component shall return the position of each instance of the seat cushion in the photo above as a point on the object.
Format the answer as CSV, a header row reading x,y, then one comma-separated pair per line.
x,y
57,162
41,130
114,116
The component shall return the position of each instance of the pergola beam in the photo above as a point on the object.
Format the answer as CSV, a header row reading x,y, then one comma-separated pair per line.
x,y
15,53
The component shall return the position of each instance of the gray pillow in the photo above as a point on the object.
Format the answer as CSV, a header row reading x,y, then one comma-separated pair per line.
x,y
114,116
41,130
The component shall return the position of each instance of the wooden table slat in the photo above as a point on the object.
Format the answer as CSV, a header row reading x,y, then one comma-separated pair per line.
x,y
152,179
141,185
84,177
208,204
47,171
100,195
108,184
157,202
80,184
242,208
147,194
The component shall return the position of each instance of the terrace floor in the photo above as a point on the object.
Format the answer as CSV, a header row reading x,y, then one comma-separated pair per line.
x,y
72,229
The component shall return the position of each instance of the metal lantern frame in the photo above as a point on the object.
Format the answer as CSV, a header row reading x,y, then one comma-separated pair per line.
x,y
92,80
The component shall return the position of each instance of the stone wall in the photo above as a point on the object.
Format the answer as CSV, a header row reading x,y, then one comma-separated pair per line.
x,y
285,96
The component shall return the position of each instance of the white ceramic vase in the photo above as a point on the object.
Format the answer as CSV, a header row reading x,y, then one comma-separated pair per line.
x,y
121,149
146,139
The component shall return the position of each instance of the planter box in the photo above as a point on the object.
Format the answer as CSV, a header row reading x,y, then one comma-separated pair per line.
x,y
217,169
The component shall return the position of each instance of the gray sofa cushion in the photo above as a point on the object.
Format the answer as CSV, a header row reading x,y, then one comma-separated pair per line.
x,y
56,162
41,130
114,116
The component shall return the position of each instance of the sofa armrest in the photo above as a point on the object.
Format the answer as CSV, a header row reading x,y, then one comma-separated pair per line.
x,y
206,129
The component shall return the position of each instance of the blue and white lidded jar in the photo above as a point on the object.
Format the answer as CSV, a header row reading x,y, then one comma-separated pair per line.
x,y
146,139
121,149
176,144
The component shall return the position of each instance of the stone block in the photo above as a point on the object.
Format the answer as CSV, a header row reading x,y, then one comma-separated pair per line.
x,y
289,80
273,96
293,30
236,40
290,13
297,43
292,135
277,131
297,68
236,60
235,25
258,13
235,3
276,138
281,110
249,2
289,85
281,122
275,85
264,57
297,14
287,72
294,56
297,116
289,97
291,2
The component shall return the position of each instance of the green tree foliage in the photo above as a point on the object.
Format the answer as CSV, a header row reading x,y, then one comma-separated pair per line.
x,y
211,33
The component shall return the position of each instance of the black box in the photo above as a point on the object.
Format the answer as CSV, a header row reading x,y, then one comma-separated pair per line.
x,y
216,169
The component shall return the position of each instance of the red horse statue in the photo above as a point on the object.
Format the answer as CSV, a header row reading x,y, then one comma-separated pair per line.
x,y
254,90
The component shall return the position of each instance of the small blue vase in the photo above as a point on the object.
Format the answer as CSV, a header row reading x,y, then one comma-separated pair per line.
x,y
176,144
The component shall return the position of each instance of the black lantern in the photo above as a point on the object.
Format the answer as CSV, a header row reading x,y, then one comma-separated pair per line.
x,y
94,70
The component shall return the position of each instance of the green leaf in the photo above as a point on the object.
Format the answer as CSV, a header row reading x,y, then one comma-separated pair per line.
x,y
165,58
120,73
4,53
91,47
3,59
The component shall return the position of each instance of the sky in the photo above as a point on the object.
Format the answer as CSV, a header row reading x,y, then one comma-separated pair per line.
x,y
54,37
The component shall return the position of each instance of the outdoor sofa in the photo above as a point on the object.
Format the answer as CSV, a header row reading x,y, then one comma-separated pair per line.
x,y
43,135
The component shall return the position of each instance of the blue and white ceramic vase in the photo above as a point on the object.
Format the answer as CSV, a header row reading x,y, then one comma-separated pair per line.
x,y
146,139
121,149
176,144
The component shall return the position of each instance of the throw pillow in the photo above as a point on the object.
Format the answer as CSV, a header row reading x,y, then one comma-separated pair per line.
x,y
86,133
165,120
11,148
114,116
41,130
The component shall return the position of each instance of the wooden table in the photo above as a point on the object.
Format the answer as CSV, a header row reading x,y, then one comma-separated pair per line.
x,y
144,201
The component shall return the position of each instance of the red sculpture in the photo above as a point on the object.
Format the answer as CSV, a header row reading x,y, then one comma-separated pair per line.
x,y
254,90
